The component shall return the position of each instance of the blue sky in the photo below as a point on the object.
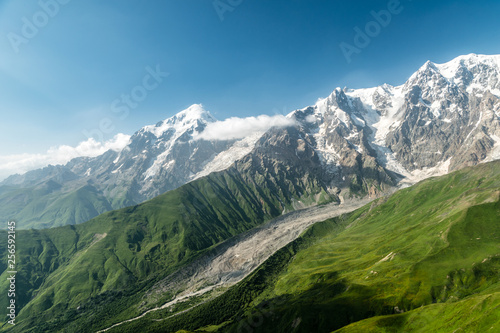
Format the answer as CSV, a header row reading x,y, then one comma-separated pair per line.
x,y
247,58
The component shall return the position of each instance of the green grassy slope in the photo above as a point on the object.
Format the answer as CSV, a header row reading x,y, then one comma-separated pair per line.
x,y
473,314
90,275
44,206
425,259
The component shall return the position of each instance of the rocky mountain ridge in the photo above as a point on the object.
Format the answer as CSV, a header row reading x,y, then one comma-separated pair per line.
x,y
445,117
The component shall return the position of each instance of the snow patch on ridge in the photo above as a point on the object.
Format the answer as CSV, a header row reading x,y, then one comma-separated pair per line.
x,y
381,122
495,151
226,158
424,173
387,122
159,163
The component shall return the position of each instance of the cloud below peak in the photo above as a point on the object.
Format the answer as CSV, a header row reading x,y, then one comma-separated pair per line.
x,y
22,163
238,128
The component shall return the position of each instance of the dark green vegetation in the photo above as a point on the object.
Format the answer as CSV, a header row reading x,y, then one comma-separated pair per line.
x,y
88,276
426,259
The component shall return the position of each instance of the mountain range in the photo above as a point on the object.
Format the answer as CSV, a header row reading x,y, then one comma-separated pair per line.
x,y
443,118
230,229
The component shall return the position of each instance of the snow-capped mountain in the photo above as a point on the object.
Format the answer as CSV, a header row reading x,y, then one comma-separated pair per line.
x,y
445,117
161,157
352,143
158,158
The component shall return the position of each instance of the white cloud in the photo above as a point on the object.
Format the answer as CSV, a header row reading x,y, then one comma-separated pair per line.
x,y
238,128
311,118
21,163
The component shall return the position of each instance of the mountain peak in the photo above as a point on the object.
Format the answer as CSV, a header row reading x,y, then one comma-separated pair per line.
x,y
469,61
193,116
193,113
467,72
428,68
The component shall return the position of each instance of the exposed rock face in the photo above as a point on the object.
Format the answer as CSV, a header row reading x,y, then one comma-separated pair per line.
x,y
334,127
445,117
448,117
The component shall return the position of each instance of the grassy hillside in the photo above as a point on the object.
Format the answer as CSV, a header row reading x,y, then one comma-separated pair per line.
x,y
473,314
43,206
425,259
80,277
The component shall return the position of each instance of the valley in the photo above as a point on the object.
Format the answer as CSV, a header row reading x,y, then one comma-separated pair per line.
x,y
239,256
383,267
